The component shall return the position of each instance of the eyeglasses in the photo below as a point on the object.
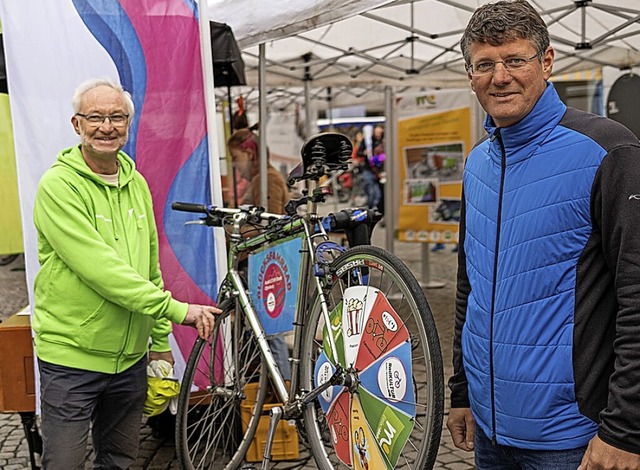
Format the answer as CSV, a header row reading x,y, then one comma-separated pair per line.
x,y
96,120
512,64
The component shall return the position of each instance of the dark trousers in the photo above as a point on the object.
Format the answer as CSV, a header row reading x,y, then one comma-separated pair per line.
x,y
73,400
499,457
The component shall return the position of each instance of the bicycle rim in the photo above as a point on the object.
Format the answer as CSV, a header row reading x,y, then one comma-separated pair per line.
x,y
221,398
392,416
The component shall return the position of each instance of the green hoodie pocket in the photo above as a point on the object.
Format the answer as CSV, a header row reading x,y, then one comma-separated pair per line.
x,y
105,330
110,330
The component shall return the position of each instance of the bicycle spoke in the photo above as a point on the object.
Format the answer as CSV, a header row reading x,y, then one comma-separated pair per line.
x,y
209,419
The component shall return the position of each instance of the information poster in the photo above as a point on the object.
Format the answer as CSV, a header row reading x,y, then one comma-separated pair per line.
x,y
434,137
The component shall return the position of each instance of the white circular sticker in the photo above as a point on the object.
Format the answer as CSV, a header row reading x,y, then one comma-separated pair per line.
x,y
392,379
325,371
271,302
389,322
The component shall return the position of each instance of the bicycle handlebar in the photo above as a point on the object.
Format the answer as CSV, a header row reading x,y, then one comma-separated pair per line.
x,y
190,207
357,223
253,212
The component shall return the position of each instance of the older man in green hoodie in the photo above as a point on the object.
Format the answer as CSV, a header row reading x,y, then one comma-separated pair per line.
x,y
101,311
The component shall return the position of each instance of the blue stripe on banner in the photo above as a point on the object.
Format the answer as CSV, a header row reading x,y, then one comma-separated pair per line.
x,y
112,28
193,6
192,184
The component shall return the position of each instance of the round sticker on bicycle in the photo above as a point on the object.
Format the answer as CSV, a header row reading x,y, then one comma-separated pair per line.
x,y
274,288
392,379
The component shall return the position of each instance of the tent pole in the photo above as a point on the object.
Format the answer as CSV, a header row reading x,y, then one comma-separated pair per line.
x,y
391,165
220,247
210,100
307,109
234,184
307,98
262,105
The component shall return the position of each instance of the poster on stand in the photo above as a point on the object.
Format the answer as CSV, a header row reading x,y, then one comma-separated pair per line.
x,y
434,137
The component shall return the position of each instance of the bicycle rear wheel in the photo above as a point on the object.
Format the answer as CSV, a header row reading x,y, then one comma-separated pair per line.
x,y
221,397
386,341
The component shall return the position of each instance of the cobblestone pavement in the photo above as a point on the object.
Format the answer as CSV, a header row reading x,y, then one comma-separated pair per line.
x,y
157,453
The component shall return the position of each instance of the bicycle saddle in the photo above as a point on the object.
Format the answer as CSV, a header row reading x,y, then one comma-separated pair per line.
x,y
321,154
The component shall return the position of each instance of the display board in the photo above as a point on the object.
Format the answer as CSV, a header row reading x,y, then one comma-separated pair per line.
x,y
433,139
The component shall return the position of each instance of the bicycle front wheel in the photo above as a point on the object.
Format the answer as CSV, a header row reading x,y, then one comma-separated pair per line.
x,y
221,397
381,333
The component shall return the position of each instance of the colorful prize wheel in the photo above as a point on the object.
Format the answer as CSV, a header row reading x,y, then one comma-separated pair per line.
x,y
371,421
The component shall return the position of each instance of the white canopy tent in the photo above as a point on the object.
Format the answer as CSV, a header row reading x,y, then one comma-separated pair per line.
x,y
341,53
358,47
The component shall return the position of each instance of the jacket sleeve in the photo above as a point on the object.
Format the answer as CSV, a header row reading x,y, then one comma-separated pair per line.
x,y
163,327
458,381
64,219
616,214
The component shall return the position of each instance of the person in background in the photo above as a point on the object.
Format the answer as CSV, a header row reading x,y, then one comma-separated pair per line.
x,y
243,146
547,330
239,185
372,165
100,308
357,155
244,149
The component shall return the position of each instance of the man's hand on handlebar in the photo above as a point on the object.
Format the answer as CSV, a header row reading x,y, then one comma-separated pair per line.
x,y
201,317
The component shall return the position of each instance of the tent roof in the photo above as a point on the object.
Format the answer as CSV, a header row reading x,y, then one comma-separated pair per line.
x,y
359,46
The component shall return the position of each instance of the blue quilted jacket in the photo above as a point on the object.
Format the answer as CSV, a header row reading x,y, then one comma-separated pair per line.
x,y
540,260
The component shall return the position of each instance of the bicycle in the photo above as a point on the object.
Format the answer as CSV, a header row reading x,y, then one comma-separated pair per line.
x,y
366,387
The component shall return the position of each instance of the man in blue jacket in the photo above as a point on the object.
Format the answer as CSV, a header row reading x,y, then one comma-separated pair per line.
x,y
547,334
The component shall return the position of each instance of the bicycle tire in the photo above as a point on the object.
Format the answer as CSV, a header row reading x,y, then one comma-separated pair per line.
x,y
214,426
371,270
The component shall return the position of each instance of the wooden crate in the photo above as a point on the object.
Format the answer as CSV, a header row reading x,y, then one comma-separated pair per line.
x,y
17,382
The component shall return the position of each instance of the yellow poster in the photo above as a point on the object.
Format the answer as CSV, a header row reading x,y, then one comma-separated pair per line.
x,y
10,222
432,146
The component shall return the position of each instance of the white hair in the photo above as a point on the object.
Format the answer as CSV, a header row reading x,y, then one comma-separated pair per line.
x,y
96,82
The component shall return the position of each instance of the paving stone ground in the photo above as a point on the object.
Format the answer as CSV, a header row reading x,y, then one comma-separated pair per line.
x,y
156,453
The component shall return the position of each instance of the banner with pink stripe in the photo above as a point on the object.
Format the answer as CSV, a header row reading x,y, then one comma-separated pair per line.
x,y
152,47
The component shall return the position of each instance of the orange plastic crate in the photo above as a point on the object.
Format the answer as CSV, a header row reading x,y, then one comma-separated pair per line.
x,y
285,442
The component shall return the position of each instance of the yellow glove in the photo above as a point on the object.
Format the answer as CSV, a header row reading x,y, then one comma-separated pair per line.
x,y
162,387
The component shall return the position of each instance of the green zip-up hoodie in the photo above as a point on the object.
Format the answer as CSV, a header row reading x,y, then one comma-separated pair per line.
x,y
99,294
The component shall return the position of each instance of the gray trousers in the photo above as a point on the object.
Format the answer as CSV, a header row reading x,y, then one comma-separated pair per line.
x,y
75,400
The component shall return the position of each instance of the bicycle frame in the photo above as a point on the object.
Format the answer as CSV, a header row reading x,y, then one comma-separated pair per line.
x,y
307,223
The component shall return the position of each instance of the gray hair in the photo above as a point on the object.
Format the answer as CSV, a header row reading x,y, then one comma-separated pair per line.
x,y
96,82
504,21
